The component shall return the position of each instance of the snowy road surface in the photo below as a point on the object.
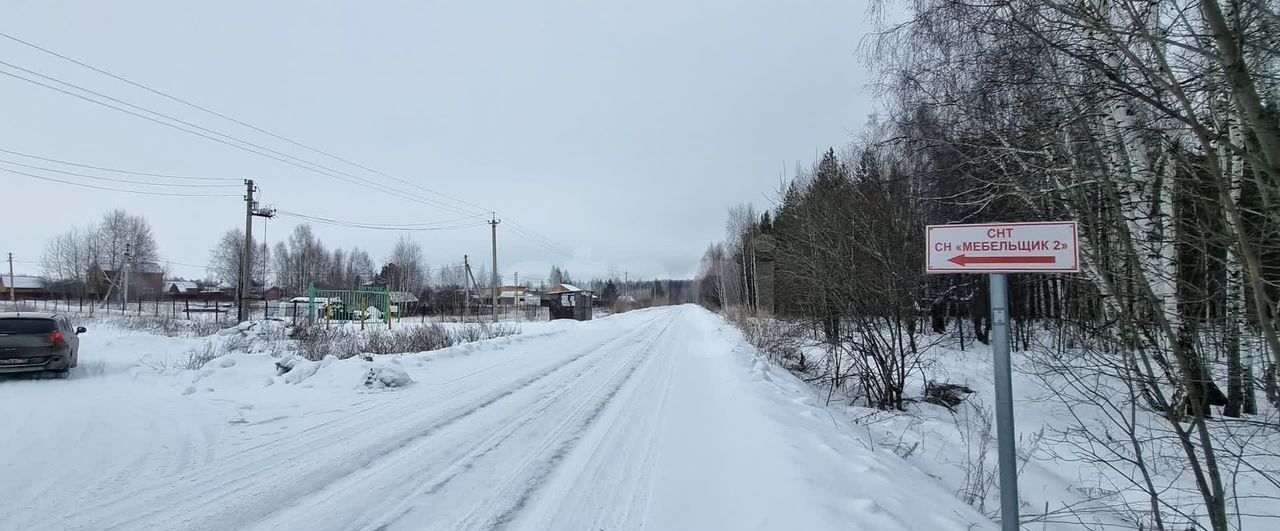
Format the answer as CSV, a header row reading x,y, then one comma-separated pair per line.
x,y
657,419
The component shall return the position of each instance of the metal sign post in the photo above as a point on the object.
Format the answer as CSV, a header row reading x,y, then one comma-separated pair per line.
x,y
1004,402
997,249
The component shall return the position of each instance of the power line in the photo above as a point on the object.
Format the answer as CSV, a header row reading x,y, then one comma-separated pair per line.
x,y
231,119
539,239
171,262
387,225
169,194
113,170
359,225
128,181
534,234
226,139
282,157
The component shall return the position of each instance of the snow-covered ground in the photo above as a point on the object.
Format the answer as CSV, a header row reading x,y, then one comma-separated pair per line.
x,y
656,419
1064,482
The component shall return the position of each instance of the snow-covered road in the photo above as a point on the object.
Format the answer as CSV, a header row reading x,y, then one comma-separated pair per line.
x,y
657,419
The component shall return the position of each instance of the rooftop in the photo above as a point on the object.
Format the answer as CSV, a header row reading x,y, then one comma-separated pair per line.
x,y
183,286
566,288
27,315
23,282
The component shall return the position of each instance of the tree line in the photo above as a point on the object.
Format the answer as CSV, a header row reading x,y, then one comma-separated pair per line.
x,y
300,261
1152,124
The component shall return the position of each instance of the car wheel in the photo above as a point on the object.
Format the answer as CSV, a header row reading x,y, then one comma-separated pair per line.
x,y
58,375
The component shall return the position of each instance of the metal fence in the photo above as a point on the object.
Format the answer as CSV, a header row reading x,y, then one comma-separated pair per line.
x,y
342,305
219,311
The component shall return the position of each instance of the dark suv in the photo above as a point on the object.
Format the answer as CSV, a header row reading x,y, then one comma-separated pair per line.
x,y
38,342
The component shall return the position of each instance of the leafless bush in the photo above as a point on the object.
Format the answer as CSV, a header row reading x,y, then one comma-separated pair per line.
x,y
502,330
780,341
978,475
426,338
237,343
316,342
162,325
377,341
197,358
482,331
470,333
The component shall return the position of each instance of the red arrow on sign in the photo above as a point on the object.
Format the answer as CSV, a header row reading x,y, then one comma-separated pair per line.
x,y
963,260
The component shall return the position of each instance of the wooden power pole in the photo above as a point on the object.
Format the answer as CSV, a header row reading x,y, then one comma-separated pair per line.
x,y
246,256
493,225
13,297
124,291
246,263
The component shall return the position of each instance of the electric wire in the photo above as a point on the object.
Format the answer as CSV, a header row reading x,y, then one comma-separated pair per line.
x,y
232,141
231,119
128,181
359,225
228,140
114,170
387,225
106,188
534,234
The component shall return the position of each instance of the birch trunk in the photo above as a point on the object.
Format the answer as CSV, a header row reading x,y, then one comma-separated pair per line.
x,y
1267,135
1240,394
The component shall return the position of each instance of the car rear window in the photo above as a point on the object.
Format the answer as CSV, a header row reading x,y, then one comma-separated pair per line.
x,y
19,326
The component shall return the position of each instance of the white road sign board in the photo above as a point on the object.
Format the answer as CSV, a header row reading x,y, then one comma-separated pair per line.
x,y
1049,247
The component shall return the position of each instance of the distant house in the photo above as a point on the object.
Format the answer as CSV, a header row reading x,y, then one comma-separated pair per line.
x,y
217,294
146,281
181,289
24,287
273,293
567,301
518,296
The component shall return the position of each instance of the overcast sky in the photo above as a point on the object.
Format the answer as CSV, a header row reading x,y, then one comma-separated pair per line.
x,y
619,130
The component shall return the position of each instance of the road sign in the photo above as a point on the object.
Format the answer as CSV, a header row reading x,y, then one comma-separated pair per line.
x,y
1049,247
999,248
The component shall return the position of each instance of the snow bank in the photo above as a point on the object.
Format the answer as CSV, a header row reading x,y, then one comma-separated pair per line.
x,y
878,489
387,375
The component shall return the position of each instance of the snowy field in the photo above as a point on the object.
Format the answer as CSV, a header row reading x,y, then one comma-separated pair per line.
x,y
656,419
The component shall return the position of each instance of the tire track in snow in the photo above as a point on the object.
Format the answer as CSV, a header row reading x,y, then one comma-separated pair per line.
x,y
513,484
218,496
544,467
618,500
79,415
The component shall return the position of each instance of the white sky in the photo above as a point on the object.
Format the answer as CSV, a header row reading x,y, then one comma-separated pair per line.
x,y
621,130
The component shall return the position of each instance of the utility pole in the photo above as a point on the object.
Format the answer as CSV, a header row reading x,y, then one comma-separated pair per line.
x,y
246,263
466,289
128,261
493,225
246,256
13,297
